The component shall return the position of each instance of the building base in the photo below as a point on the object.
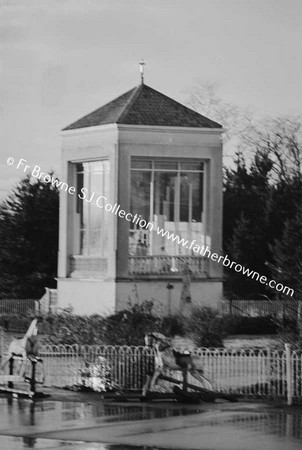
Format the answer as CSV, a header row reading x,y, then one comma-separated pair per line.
x,y
166,294
86,297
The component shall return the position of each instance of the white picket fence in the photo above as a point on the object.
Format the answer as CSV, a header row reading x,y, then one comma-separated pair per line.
x,y
248,372
64,365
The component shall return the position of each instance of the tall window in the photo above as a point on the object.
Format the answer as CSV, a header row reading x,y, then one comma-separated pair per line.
x,y
92,181
169,194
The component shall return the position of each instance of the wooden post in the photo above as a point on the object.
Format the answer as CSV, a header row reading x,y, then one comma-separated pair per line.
x,y
269,370
11,371
169,287
33,375
185,380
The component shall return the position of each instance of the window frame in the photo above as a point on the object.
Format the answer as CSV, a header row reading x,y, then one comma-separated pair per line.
x,y
80,205
180,170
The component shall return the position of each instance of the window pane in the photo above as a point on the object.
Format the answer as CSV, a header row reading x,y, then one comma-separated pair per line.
x,y
185,206
93,221
186,165
170,197
140,194
166,165
85,204
141,164
79,167
86,167
191,197
97,181
140,205
165,194
80,181
94,241
97,167
84,242
197,186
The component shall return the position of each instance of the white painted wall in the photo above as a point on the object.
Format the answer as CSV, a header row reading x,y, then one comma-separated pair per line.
x,y
206,293
87,296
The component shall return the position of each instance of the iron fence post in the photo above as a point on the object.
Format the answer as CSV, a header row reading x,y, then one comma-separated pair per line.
x,y
289,377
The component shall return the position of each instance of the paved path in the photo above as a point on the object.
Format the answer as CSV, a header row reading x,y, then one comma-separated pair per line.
x,y
92,424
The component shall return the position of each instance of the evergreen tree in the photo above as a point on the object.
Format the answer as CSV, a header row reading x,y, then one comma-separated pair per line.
x,y
246,200
287,251
261,193
29,239
285,198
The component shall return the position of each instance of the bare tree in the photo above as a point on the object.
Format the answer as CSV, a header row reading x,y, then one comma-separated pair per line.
x,y
204,98
280,139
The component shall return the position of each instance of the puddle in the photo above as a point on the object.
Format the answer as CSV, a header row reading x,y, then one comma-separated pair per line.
x,y
17,443
231,428
271,423
24,412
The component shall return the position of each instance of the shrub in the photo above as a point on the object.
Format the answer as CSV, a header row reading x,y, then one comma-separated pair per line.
x,y
172,326
249,325
129,327
126,327
290,332
205,327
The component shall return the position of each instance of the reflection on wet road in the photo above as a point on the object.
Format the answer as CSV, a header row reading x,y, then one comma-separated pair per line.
x,y
50,425
17,443
24,412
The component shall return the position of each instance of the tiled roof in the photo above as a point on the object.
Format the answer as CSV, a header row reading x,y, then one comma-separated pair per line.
x,y
144,106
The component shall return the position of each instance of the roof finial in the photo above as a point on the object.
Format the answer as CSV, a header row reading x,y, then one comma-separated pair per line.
x,y
141,69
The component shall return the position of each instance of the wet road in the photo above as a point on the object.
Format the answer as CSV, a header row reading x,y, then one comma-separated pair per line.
x,y
55,424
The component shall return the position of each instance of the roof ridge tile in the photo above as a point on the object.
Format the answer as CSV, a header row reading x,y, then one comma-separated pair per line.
x,y
129,104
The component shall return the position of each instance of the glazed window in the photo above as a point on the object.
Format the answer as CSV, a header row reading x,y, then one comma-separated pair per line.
x,y
92,178
169,194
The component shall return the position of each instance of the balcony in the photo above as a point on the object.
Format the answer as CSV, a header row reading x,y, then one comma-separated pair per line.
x,y
167,265
88,266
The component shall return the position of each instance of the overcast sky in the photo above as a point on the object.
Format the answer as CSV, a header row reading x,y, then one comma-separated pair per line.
x,y
62,59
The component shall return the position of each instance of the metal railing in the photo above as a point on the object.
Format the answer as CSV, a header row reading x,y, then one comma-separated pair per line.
x,y
19,306
164,264
259,373
88,266
260,308
45,305
64,364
